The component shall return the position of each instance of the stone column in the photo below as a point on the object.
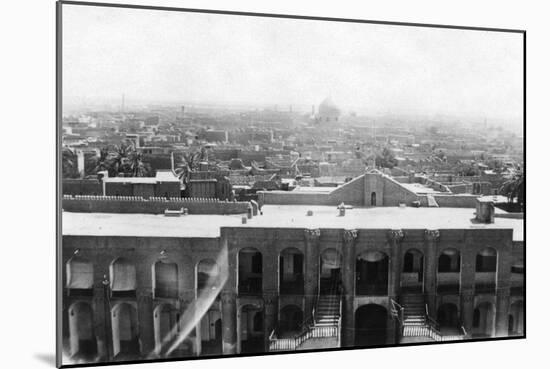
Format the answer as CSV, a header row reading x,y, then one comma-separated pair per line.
x,y
102,323
502,307
145,320
270,284
312,269
503,291
430,268
229,322
270,314
395,236
467,310
467,287
348,280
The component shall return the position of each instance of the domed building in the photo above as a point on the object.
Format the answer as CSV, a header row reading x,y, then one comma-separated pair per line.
x,y
328,111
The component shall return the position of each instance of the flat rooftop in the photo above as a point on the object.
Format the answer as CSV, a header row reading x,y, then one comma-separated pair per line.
x,y
419,188
280,216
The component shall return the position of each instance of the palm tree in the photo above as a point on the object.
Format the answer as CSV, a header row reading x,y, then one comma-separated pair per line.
x,y
514,189
137,167
103,163
69,166
123,159
190,163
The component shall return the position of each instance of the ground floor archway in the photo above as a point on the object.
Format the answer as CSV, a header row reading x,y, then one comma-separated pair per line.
x,y
371,325
290,320
516,319
484,320
251,329
447,316
83,344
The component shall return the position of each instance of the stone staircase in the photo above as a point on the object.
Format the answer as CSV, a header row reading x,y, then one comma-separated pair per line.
x,y
324,327
418,326
414,310
327,312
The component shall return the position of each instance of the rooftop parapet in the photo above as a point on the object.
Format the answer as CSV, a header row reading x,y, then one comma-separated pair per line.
x,y
152,205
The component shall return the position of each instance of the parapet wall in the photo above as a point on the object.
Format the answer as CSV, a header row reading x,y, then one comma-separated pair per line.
x,y
294,198
452,201
153,205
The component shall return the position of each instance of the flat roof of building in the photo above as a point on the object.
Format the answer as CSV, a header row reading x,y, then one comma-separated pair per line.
x,y
280,216
419,188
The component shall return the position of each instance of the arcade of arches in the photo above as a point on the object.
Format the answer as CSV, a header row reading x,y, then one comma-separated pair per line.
x,y
268,290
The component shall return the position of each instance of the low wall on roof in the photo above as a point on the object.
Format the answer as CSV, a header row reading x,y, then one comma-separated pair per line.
x,y
153,205
81,187
293,198
451,201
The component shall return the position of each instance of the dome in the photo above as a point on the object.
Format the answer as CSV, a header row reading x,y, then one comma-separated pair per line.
x,y
328,104
328,111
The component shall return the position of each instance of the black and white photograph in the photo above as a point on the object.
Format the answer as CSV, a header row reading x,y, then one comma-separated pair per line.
x,y
240,184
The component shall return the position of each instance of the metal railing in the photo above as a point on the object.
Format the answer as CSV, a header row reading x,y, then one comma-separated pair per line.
x,y
431,329
309,329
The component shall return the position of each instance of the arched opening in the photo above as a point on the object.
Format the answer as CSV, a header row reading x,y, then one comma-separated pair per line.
x,y
330,275
125,332
447,318
250,271
211,333
448,271
290,320
123,278
291,272
484,320
80,277
486,267
372,273
516,319
208,275
165,283
166,326
371,325
373,199
412,276
83,344
252,329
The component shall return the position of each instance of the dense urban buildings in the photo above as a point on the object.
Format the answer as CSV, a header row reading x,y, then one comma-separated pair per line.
x,y
197,230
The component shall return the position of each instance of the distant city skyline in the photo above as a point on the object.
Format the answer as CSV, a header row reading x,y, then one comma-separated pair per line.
x,y
156,57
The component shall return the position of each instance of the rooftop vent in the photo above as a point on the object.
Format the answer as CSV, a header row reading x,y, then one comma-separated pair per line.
x,y
174,213
341,209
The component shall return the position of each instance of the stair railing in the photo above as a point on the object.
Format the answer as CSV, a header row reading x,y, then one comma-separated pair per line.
x,y
340,319
309,329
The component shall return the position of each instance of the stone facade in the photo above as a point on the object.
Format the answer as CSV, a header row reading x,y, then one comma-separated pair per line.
x,y
263,307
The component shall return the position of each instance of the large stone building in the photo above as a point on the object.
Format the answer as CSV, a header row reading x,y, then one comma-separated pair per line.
x,y
293,277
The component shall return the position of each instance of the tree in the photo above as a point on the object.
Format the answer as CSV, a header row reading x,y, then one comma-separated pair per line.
x,y
386,159
190,163
123,159
514,189
69,163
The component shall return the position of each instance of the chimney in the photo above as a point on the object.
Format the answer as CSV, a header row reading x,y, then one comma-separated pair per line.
x,y
80,163
485,211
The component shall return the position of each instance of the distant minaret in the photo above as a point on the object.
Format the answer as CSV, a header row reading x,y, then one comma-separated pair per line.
x,y
122,104
374,131
312,109
290,108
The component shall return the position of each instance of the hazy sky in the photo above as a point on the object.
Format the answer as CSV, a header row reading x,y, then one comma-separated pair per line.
x,y
172,56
